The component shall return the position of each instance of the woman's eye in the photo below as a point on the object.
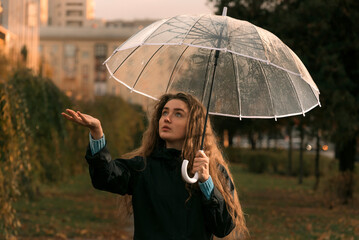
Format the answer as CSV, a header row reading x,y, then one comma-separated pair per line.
x,y
164,113
178,115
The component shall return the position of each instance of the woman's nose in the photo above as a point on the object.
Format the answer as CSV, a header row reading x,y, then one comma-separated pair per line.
x,y
167,118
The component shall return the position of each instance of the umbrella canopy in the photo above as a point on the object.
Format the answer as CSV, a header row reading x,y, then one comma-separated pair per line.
x,y
256,75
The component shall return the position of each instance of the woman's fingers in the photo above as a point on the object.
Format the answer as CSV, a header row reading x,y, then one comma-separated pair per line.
x,y
66,116
72,113
201,154
73,116
201,165
83,118
69,116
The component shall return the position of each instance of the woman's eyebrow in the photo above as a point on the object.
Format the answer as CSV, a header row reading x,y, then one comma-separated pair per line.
x,y
175,109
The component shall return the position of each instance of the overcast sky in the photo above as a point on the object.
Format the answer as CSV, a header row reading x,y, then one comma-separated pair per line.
x,y
152,9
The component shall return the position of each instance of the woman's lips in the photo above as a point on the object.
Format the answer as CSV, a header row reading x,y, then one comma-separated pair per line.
x,y
165,128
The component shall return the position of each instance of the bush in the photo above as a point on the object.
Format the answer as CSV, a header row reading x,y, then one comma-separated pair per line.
x,y
274,161
37,145
123,124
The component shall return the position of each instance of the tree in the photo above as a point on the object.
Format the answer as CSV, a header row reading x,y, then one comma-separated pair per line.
x,y
324,34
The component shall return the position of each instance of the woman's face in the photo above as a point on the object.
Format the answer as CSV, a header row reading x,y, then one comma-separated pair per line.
x,y
173,123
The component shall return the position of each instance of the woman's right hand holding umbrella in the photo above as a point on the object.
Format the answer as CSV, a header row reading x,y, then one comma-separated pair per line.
x,y
85,120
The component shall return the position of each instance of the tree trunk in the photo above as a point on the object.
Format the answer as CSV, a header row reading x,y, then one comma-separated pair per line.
x,y
300,174
252,139
230,137
290,148
346,157
260,138
276,141
317,156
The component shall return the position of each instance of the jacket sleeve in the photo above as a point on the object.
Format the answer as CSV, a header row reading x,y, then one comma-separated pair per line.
x,y
116,176
218,220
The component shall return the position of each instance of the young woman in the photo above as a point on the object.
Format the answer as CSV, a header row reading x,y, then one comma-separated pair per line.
x,y
164,206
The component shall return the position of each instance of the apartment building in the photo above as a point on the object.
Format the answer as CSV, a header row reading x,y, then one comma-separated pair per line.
x,y
73,46
19,31
73,58
70,13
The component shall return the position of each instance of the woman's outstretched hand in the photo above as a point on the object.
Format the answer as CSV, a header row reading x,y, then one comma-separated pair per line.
x,y
85,120
201,165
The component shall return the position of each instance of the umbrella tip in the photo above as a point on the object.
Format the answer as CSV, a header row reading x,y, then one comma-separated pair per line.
x,y
224,12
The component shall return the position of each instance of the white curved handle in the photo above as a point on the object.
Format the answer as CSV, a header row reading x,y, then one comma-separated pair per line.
x,y
185,175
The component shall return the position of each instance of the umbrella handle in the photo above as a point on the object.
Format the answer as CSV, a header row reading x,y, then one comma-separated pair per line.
x,y
185,175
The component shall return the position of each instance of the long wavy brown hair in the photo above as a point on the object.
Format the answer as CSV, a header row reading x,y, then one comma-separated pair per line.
x,y
192,143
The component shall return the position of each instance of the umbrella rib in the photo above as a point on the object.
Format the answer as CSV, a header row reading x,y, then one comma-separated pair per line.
x,y
313,93
191,27
173,70
203,41
301,105
235,68
124,60
295,90
216,30
202,32
165,31
262,117
206,76
269,91
144,67
293,59
157,29
172,30
228,39
265,50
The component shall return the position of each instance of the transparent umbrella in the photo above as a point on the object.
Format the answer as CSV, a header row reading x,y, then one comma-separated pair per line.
x,y
234,67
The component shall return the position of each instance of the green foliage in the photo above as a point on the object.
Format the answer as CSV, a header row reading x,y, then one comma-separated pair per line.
x,y
40,103
30,148
37,145
324,34
11,168
122,124
274,161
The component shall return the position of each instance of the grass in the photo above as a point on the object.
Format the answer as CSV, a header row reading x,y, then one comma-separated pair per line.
x,y
276,207
72,210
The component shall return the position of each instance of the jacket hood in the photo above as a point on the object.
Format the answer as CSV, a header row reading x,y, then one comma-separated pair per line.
x,y
171,157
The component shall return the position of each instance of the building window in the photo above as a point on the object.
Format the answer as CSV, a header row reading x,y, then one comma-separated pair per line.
x,y
85,54
74,4
100,89
100,57
85,73
54,49
100,50
32,14
74,23
70,62
70,50
53,54
74,13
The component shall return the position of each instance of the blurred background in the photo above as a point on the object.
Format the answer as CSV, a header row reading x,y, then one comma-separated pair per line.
x,y
297,177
